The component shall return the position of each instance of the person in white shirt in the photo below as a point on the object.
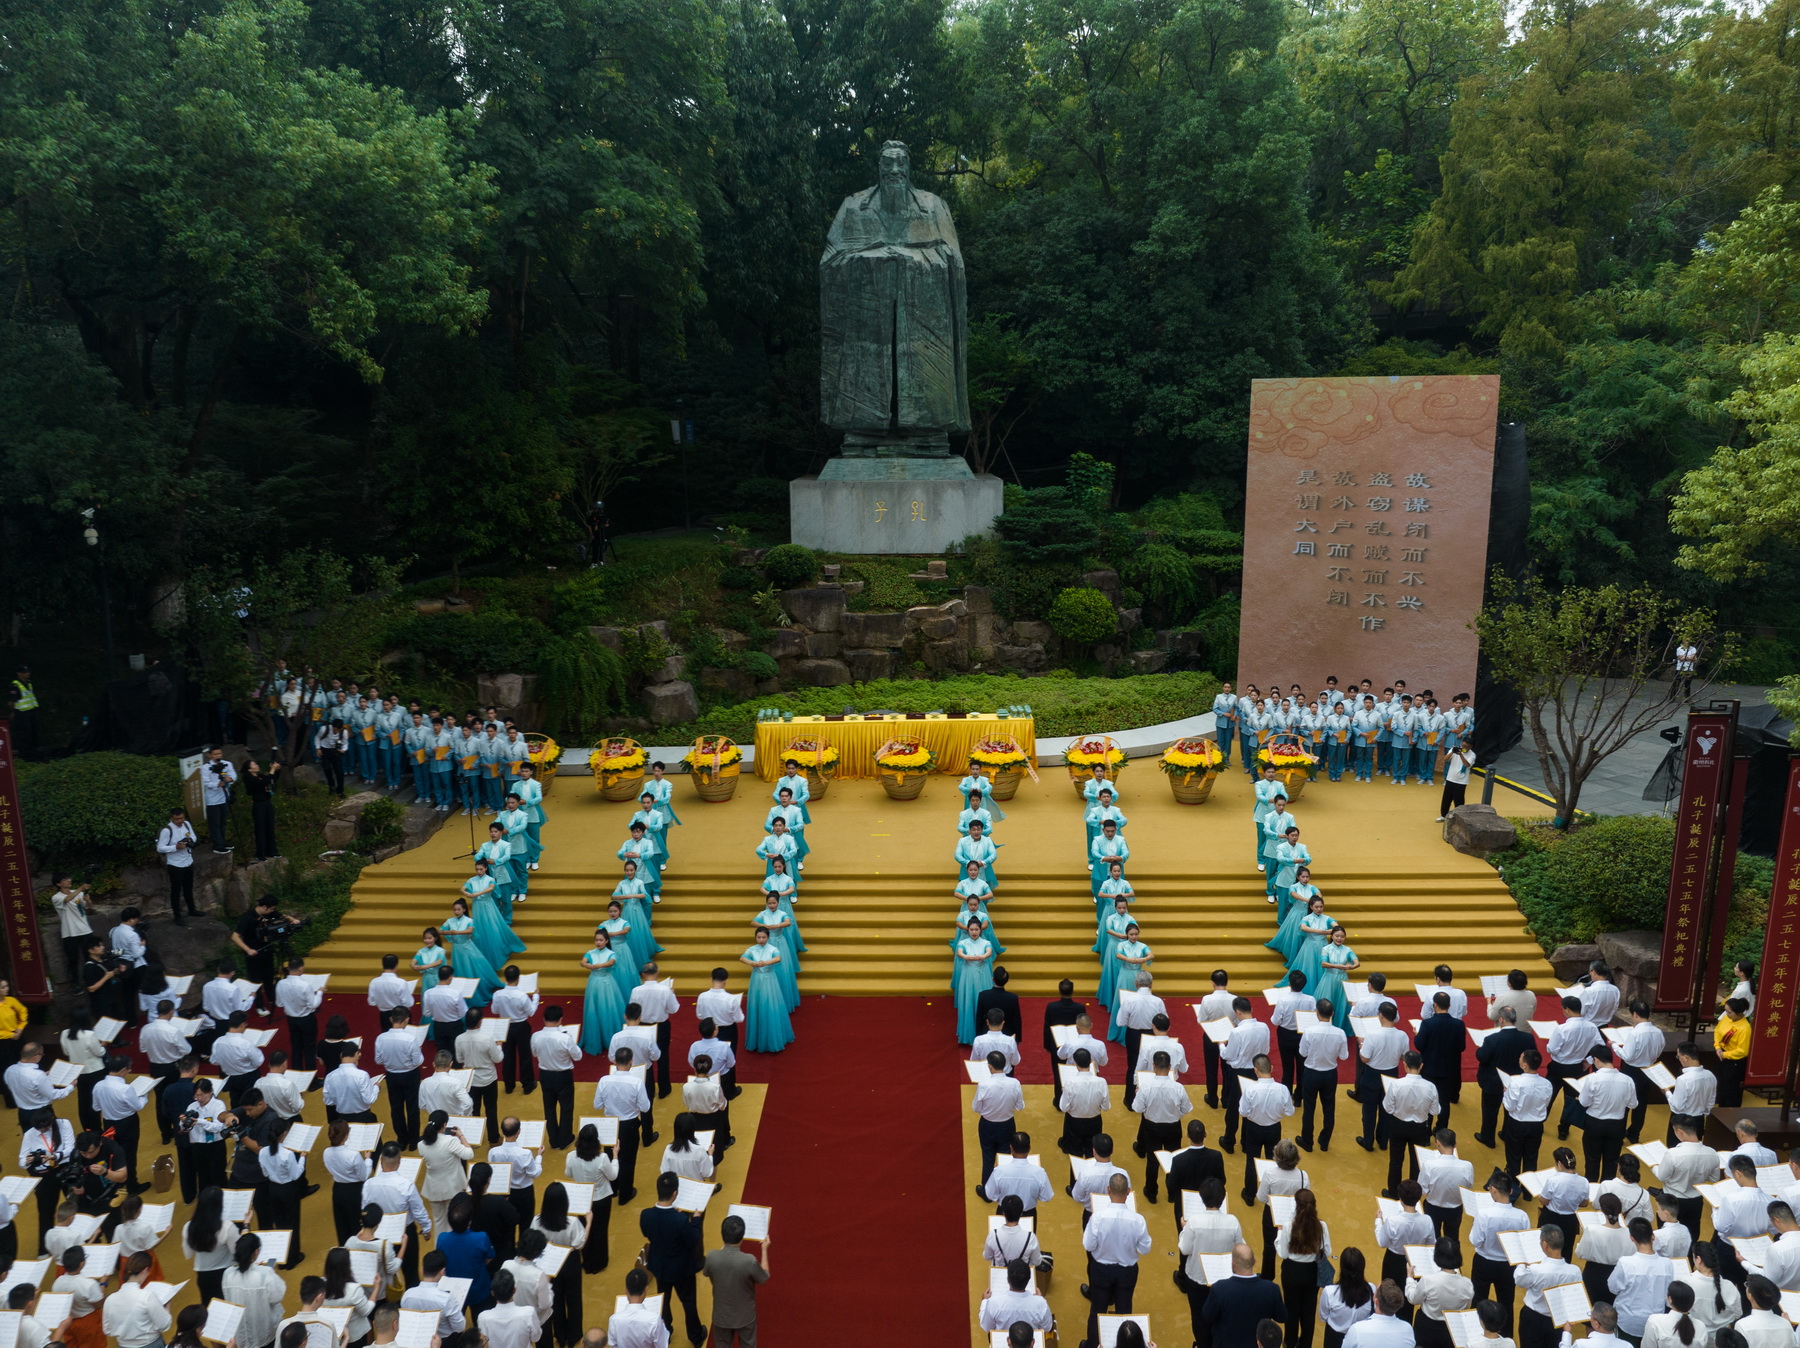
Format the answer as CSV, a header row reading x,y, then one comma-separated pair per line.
x,y
350,1093
1696,1090
531,1284
348,1169
1349,1300
1263,1104
1138,1009
29,1084
441,1090
1162,1101
1002,1310
516,1006
1742,1212
1216,1005
635,1325
1011,1241
282,1091
1748,1144
1206,1230
1526,1101
176,841
1440,1291
1600,996
704,1098
1442,1177
1115,1240
1378,1055
1409,1102
390,992
1686,1164
119,1105
445,1007
1160,1038
1638,1286
397,1054
995,1039
1764,1326
126,941
1085,1097
238,1058
1383,1329
684,1157
429,1294
220,996
1536,1329
135,1317
1322,1048
1492,1271
299,1001
1633,1200
1606,1096
1638,1048
1444,979
1395,1231
33,1333
1563,1191
622,1095
508,1324
1717,1303
1601,1247
725,1009
657,1003
527,1164
1675,1327
1673,1240
72,906
1237,1060
162,1043
388,1190
1090,1180
998,1098
1018,1175
1292,997
477,1051
1782,1267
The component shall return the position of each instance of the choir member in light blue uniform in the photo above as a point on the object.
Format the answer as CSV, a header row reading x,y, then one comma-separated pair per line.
x,y
1099,781
1403,731
1112,933
1315,931
1336,728
1114,886
975,909
793,780
603,1007
467,753
641,848
416,745
663,789
975,784
390,739
1337,961
655,827
1290,855
975,813
1298,893
517,754
1101,811
1129,956
780,928
1269,789
780,843
1386,707
1287,939
493,934
1224,706
1312,730
977,847
634,908
1432,726
362,739
767,1028
1261,725
795,819
1461,727
1365,736
1274,828
779,883
429,956
973,975
466,954
1109,846
440,758
531,796
517,824
493,770
508,877
1249,703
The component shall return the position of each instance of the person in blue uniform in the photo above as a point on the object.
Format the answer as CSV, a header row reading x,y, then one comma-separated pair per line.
x,y
1109,846
1365,738
641,848
793,780
531,796
768,1027
1269,789
517,824
493,769
780,843
1225,714
467,753
441,766
977,847
1099,812
973,975
603,1006
508,878
1336,727
795,818
656,826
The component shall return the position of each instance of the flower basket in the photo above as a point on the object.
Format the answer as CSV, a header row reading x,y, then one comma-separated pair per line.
x,y
817,760
618,768
1089,750
1294,767
545,753
714,763
1192,766
1003,763
902,766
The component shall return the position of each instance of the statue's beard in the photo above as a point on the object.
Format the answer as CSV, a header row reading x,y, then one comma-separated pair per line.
x,y
894,194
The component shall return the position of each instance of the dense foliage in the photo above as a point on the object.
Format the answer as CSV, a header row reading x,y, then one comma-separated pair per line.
x,y
96,807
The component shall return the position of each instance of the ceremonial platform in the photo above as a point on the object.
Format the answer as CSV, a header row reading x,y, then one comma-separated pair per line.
x,y
876,904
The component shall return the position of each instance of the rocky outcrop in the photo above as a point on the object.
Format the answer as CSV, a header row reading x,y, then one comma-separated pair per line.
x,y
672,703
1479,830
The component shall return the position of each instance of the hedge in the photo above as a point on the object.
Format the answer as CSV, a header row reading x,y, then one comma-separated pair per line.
x,y
1062,706
104,804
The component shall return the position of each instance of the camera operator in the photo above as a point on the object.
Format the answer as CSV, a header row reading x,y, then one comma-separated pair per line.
x,y
48,1145
176,842
261,786
260,934
95,1185
207,1125
257,1124
217,777
177,1099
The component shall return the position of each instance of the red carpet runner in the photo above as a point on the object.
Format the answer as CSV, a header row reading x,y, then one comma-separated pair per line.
x,y
860,1154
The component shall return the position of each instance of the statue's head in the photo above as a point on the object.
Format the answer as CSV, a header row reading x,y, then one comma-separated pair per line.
x,y
896,163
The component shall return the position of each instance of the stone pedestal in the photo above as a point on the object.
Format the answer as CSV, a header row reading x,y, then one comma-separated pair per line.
x,y
892,505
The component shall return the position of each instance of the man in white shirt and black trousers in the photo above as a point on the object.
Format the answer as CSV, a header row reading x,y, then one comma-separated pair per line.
x,y
518,1007
1115,1240
1526,1100
1264,1103
119,1106
656,1005
998,1098
1688,1163
299,1001
397,1054
176,843
1606,1096
557,1052
1162,1101
1237,1058
1216,1005
1290,999
1322,1048
621,1095
1409,1102
713,1044
1137,1013
1085,1097
1641,1047
476,1050
391,1192
1378,1056
445,1008
725,1010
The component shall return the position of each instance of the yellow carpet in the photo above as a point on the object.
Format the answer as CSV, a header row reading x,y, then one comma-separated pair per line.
x,y
876,904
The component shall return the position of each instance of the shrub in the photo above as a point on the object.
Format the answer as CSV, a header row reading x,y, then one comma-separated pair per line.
x,y
759,664
581,681
1167,577
379,825
737,578
1083,616
490,641
319,898
790,565
1763,660
108,803
1052,525
1608,875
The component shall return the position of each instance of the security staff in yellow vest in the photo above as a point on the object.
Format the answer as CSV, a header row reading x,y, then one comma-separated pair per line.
x,y
24,713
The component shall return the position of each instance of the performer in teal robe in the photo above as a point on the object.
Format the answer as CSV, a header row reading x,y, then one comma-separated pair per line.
x,y
1112,935
1337,961
656,825
1268,788
531,795
779,925
976,847
780,843
1115,886
975,910
767,1027
1099,812
795,781
1275,825
508,875
977,795
516,820
1290,854
794,818
641,848
779,883
1315,931
466,956
1108,847
603,1006
1287,939
1099,780
428,957
663,789
620,930
1129,956
633,897
974,974
493,933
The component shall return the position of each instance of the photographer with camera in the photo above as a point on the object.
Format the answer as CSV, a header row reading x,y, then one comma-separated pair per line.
x,y
217,778
261,786
262,935
254,1123
176,842
47,1146
206,1125
94,1182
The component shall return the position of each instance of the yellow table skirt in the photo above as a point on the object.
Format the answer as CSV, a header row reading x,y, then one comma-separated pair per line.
x,y
857,741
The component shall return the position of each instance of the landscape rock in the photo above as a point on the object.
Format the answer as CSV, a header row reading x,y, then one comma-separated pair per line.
x,y
670,703
385,853
822,673
351,807
1635,958
608,636
1571,961
1130,619
937,629
735,684
768,687
339,834
1026,633
671,669
821,608
823,645
731,640
419,823
658,628
1479,830
954,608
978,598
1107,582
508,692
1148,662
874,629
1027,656
786,644
920,614
869,664
944,656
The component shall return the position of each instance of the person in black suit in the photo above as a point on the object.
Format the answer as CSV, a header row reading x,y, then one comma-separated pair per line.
x,y
1440,1041
1063,1011
1235,1306
1498,1053
1191,1165
674,1255
177,1099
997,998
495,1215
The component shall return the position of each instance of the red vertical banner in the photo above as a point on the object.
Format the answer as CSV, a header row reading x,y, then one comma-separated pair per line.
x,y
18,905
1705,786
1772,1023
1706,997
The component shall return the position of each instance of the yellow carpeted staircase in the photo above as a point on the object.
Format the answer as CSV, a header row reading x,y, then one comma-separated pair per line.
x,y
876,907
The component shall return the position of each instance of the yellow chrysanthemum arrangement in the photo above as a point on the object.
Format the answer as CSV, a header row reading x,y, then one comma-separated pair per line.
x,y
810,758
997,754
544,751
712,752
905,756
1288,758
618,755
1085,753
1189,757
